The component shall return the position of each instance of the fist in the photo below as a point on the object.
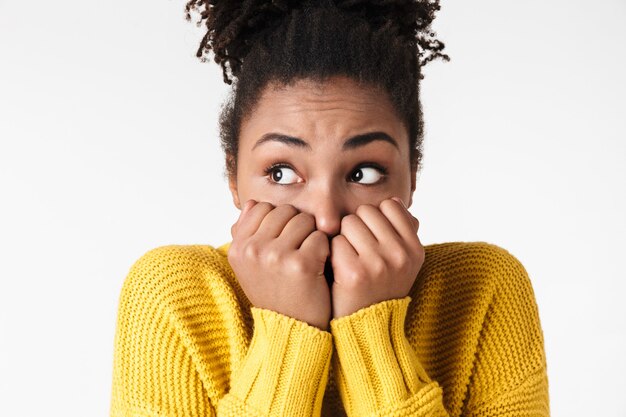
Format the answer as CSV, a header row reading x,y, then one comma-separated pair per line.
x,y
376,256
278,258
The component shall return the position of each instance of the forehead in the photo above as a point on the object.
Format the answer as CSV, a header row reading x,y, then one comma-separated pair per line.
x,y
307,94
321,112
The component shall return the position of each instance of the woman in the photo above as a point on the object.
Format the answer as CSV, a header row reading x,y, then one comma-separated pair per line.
x,y
325,302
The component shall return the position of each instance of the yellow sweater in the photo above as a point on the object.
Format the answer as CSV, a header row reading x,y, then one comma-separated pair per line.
x,y
467,341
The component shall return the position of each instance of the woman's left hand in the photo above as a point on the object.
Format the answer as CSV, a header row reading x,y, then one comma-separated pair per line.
x,y
376,256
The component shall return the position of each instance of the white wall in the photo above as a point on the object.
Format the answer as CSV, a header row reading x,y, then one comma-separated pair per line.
x,y
108,147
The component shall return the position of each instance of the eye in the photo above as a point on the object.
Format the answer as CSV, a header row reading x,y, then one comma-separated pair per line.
x,y
368,174
281,174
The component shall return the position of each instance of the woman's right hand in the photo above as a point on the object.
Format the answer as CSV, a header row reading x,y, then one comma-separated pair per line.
x,y
278,257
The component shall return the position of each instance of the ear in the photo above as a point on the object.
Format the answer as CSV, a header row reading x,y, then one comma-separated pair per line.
x,y
232,183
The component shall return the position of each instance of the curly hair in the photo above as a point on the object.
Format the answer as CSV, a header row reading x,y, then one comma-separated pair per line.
x,y
380,43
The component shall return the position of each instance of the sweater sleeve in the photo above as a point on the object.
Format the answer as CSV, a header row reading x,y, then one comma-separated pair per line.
x,y
285,371
155,372
380,375
378,371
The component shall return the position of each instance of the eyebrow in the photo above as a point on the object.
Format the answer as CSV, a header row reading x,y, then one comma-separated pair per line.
x,y
351,143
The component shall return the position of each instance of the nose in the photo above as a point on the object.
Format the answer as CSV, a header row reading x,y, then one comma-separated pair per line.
x,y
328,207
328,220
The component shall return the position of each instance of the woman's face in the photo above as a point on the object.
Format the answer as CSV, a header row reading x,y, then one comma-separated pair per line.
x,y
323,148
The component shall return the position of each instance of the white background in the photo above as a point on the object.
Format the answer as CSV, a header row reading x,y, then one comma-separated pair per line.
x,y
109,147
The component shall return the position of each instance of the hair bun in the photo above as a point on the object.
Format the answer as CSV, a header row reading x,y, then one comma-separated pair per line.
x,y
234,26
412,19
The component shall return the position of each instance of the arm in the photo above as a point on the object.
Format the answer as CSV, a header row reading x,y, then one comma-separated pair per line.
x,y
285,371
378,371
376,259
160,372
380,375
154,374
510,370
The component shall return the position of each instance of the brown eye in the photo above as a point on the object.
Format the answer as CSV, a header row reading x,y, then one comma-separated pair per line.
x,y
366,175
282,174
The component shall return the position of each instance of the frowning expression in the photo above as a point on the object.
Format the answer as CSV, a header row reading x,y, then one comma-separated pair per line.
x,y
325,148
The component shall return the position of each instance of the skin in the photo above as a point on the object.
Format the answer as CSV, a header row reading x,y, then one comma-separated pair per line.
x,y
319,213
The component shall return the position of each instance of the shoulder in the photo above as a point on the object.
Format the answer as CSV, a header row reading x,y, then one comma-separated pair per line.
x,y
167,260
484,296
484,283
167,272
481,263
476,298
477,254
164,259
175,308
467,281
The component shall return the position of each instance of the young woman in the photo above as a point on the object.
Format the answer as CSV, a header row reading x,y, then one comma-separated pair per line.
x,y
325,302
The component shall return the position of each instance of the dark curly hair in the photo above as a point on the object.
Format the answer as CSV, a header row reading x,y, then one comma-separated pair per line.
x,y
381,43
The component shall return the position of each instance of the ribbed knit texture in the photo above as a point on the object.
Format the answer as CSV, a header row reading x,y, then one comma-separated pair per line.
x,y
466,341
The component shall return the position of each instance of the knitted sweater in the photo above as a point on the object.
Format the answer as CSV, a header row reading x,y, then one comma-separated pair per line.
x,y
466,341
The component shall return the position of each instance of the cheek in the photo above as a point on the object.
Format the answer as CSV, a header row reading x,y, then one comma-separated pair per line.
x,y
256,187
394,187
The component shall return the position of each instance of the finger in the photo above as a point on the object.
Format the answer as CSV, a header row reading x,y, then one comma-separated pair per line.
x,y
342,249
380,226
358,234
297,229
250,222
404,208
403,221
275,221
317,244
246,207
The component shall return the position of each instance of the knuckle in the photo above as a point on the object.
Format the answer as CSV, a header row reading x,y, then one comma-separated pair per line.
x,y
421,254
324,237
365,208
317,235
388,204
306,219
297,265
287,209
272,255
264,206
233,253
399,259
321,239
252,250
349,219
355,277
378,266
414,243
